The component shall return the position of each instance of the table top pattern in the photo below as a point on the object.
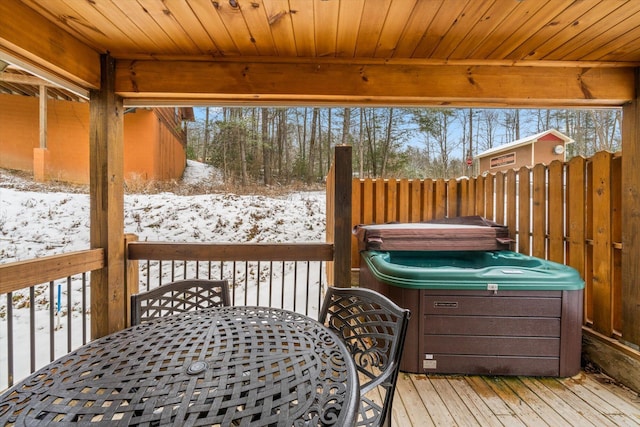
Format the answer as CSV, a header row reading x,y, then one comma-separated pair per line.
x,y
246,366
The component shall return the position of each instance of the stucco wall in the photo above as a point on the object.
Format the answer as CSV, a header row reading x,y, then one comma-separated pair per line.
x,y
163,160
18,131
151,151
141,129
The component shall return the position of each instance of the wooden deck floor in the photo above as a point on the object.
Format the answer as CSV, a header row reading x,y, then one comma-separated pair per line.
x,y
588,399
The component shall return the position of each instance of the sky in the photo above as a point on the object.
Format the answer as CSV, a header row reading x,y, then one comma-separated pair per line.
x,y
36,221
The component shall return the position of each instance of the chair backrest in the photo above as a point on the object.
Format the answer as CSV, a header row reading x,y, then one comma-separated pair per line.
x,y
374,328
178,297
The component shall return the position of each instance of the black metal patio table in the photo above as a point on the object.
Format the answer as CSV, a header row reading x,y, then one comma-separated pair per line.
x,y
246,366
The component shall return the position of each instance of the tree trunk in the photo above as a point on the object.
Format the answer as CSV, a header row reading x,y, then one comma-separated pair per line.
x,y
346,125
329,141
266,147
370,131
386,147
320,145
312,145
283,158
226,114
242,145
361,144
205,146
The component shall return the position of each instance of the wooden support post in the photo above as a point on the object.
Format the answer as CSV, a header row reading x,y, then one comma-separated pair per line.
x,y
43,116
106,140
132,278
342,217
40,163
631,218
40,154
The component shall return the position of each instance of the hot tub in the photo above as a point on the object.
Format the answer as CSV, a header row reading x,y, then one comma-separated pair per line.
x,y
482,312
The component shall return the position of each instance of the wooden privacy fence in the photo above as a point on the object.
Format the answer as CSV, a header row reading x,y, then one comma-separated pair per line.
x,y
564,212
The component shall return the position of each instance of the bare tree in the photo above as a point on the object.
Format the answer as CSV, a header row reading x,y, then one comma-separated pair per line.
x,y
605,124
312,145
489,121
361,143
266,147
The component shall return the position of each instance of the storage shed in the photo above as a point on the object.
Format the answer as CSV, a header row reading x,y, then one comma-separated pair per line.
x,y
543,147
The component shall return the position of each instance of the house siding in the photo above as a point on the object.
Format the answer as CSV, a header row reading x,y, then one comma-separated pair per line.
x,y
151,150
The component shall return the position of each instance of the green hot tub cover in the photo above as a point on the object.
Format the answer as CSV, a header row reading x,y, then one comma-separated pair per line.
x,y
470,270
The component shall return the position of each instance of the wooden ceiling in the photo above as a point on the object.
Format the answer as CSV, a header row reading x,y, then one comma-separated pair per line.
x,y
417,52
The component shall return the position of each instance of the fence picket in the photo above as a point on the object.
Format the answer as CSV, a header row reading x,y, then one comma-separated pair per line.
x,y
453,207
404,205
511,199
555,216
576,202
602,289
489,188
539,212
524,208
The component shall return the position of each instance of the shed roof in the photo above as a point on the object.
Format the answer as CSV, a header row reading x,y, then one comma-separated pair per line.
x,y
524,141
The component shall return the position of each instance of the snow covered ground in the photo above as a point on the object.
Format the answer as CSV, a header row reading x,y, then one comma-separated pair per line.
x,y
38,220
39,223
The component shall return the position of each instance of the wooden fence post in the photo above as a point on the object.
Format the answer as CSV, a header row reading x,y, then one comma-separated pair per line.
x,y
342,217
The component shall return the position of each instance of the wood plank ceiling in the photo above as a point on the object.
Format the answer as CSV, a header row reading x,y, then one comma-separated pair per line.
x,y
423,52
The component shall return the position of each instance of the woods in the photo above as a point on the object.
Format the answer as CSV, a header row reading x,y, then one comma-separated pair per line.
x,y
270,146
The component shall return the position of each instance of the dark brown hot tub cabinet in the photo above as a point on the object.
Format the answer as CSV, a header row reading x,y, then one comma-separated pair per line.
x,y
491,313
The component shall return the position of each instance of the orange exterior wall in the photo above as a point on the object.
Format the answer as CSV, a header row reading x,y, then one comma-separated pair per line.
x,y
151,150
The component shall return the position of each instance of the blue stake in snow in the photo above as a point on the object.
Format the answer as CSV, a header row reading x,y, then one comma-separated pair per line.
x,y
58,306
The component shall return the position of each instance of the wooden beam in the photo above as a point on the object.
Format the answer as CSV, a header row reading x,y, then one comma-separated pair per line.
x,y
42,46
106,189
613,358
24,79
326,82
631,218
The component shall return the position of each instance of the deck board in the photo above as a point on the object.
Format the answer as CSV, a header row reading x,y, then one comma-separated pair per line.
x,y
481,411
436,408
587,399
454,404
572,398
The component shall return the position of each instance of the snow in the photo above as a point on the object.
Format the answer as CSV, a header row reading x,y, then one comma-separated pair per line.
x,y
41,220
39,223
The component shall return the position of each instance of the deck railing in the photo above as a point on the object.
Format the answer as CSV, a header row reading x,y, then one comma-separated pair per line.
x,y
564,212
290,276
46,310
47,300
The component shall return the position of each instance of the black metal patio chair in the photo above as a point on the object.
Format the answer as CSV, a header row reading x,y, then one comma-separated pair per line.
x,y
374,328
177,297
